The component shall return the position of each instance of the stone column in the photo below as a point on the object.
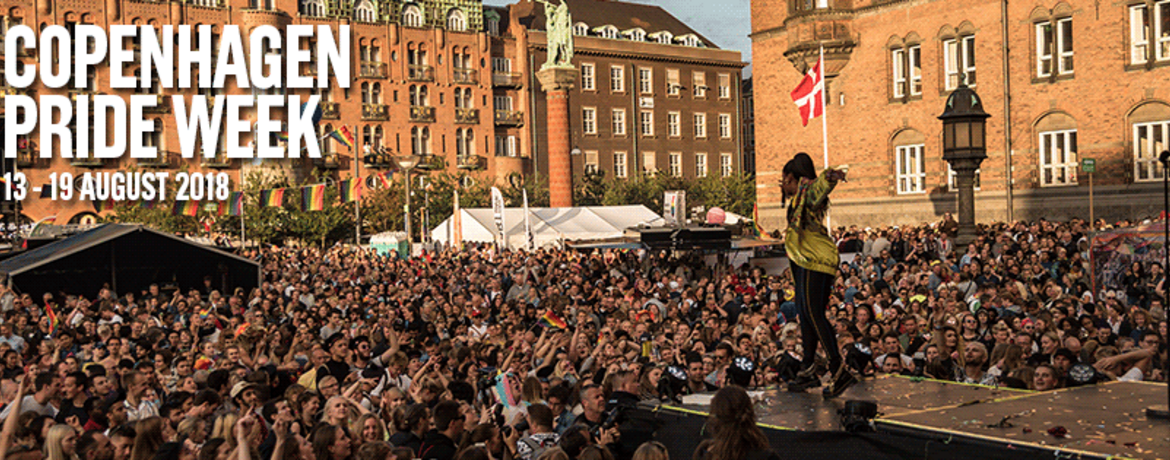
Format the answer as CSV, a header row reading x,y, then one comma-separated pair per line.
x,y
556,83
965,181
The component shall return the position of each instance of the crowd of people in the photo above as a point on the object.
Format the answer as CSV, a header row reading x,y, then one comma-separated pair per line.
x,y
342,353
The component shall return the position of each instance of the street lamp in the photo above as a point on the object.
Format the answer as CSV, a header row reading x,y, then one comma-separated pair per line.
x,y
407,163
965,148
1160,411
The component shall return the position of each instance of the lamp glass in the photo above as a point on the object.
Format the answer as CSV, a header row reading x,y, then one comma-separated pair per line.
x,y
978,135
962,133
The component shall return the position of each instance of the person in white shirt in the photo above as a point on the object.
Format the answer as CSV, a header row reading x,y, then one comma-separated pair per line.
x,y
47,386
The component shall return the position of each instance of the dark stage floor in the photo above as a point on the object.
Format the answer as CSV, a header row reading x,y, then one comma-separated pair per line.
x,y
1107,420
893,394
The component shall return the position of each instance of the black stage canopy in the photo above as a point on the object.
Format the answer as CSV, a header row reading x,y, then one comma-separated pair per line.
x,y
128,258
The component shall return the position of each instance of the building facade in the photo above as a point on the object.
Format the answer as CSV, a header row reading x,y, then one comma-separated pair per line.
x,y
1063,81
748,110
652,94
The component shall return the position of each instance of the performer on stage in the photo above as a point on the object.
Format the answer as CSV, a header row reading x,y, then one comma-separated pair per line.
x,y
813,258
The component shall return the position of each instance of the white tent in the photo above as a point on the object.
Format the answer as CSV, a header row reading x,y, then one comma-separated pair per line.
x,y
550,226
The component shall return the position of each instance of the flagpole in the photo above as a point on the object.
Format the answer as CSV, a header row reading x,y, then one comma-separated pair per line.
x,y
357,204
243,240
825,129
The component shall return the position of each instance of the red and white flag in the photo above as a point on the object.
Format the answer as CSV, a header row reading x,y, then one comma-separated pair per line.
x,y
809,95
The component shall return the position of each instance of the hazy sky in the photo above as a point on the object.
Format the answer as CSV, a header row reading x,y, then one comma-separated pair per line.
x,y
725,22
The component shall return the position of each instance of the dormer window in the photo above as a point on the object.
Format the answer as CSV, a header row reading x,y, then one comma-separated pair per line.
x,y
412,16
636,34
456,20
664,38
365,12
690,40
313,8
609,32
580,29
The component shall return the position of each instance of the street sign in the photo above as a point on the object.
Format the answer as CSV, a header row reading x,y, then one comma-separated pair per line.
x,y
1088,165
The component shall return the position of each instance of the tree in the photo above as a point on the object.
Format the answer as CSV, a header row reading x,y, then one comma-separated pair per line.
x,y
589,189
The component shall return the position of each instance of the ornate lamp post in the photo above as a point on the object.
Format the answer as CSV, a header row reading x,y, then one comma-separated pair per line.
x,y
407,163
965,148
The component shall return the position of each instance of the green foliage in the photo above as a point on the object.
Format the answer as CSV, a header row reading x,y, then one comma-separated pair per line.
x,y
589,189
735,193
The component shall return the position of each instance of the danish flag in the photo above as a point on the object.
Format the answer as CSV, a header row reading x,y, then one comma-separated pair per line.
x,y
809,95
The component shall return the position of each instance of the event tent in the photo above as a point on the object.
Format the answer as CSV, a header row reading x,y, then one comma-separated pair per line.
x,y
551,227
128,258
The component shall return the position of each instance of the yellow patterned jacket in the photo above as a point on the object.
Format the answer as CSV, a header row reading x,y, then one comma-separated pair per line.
x,y
807,240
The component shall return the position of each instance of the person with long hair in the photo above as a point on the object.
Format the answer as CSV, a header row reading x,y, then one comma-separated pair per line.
x,y
330,443
61,443
814,259
150,437
735,435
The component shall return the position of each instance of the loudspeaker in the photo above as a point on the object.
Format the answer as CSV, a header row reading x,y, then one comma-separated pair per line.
x,y
658,238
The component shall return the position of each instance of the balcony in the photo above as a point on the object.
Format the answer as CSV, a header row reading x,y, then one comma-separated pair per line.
x,y
330,110
220,161
375,112
372,69
422,114
420,73
465,77
164,159
26,157
162,104
430,162
328,160
467,116
472,162
379,159
510,79
89,162
509,118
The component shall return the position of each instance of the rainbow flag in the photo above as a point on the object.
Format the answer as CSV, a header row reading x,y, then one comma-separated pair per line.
x,y
551,319
351,190
272,198
385,177
313,198
503,390
759,230
54,320
343,135
185,208
284,136
236,204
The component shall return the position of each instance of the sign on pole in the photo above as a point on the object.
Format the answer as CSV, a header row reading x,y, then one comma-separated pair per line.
x,y
1089,165
498,210
674,207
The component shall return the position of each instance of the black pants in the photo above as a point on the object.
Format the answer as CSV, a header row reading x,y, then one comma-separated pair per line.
x,y
812,297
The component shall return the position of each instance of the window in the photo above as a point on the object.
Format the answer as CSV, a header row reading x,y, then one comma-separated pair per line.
x,y
672,85
502,102
646,80
725,125
953,185
617,79
513,146
591,164
700,125
501,65
1142,29
420,140
365,12
609,32
1058,163
676,164
647,123
314,8
493,25
700,165
637,35
580,29
619,122
1149,139
907,71
619,164
959,61
699,79
649,163
588,70
456,20
911,170
589,120
672,124
1054,50
725,164
690,40
724,86
412,16
665,38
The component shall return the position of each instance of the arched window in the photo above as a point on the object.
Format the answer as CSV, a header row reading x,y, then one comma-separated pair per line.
x,y
456,20
609,32
470,139
414,95
313,8
1057,146
422,96
459,98
327,139
379,134
910,161
153,137
412,16
376,94
1150,122
665,38
459,144
366,93
636,34
365,12
581,29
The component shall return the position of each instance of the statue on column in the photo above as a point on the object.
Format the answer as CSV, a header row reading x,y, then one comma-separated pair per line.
x,y
559,30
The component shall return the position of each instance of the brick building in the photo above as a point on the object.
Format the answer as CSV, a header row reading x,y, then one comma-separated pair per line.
x,y
1063,81
419,80
748,126
652,95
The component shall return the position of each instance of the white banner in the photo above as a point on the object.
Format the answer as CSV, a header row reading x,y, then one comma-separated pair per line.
x,y
498,210
527,223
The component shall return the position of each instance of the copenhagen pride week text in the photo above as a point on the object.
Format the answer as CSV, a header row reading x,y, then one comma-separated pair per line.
x,y
174,56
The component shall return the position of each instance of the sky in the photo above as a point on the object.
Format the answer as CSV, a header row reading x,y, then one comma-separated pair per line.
x,y
725,22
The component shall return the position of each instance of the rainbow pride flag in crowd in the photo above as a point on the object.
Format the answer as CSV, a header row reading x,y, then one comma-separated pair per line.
x,y
272,198
343,135
351,190
551,319
54,320
186,208
313,197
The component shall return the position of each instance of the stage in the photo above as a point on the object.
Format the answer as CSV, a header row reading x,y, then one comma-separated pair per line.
x,y
920,418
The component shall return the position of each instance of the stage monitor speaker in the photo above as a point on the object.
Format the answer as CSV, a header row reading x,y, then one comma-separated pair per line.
x,y
704,238
658,238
